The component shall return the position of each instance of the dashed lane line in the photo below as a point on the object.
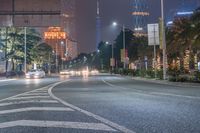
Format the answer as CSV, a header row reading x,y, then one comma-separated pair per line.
x,y
57,124
25,102
35,109
101,119
153,93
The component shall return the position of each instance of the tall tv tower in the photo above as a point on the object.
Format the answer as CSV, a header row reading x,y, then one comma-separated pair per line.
x,y
98,26
140,14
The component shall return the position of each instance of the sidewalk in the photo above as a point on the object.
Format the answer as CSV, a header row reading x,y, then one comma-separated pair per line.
x,y
166,82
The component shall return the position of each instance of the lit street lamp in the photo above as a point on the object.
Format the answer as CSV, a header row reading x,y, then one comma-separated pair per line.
x,y
113,60
124,42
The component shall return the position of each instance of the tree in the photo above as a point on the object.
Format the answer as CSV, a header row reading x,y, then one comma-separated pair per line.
x,y
14,44
42,53
184,35
118,45
104,54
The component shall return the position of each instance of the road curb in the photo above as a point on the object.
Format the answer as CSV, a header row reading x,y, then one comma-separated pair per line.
x,y
163,82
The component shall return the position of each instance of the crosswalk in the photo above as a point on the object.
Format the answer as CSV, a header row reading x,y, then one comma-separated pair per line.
x,y
28,112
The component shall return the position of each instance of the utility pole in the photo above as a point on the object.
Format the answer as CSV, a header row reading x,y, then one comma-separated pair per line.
x,y
113,60
124,46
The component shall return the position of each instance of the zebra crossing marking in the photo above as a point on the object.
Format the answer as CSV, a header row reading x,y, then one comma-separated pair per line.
x,y
2,112
57,124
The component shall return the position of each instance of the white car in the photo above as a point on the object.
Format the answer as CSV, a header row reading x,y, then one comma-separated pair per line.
x,y
35,73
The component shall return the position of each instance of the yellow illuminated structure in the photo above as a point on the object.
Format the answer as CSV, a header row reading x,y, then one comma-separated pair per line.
x,y
57,39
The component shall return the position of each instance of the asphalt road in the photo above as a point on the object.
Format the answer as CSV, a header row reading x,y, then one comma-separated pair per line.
x,y
97,104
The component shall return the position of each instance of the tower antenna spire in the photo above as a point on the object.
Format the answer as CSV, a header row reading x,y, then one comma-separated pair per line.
x,y
98,25
98,10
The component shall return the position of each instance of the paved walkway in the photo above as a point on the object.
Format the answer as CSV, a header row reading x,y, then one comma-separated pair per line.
x,y
184,84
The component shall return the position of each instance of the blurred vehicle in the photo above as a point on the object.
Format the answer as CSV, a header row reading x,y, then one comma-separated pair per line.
x,y
65,72
94,72
78,73
72,72
85,72
35,73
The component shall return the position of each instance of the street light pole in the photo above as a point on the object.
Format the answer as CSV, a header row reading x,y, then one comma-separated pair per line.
x,y
124,43
56,57
124,46
25,69
163,42
113,60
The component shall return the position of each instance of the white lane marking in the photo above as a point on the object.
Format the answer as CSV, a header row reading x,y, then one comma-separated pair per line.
x,y
57,124
7,80
31,97
103,120
36,94
24,102
153,93
138,92
35,109
26,92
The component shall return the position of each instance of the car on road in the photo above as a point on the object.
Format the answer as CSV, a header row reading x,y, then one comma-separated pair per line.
x,y
35,73
64,72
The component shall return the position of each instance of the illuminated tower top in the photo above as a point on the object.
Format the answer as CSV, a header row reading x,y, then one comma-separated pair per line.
x,y
140,14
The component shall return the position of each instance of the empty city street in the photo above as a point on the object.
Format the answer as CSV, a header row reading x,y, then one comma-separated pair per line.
x,y
103,103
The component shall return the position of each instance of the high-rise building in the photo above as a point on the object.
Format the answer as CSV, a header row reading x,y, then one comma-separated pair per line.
x,y
140,14
68,19
184,10
72,49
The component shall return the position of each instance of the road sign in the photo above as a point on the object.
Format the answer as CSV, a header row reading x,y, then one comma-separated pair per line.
x,y
153,34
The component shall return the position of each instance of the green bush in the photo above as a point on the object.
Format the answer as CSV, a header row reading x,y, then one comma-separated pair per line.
x,y
182,79
172,79
160,74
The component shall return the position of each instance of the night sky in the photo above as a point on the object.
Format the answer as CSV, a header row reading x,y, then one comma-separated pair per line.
x,y
113,10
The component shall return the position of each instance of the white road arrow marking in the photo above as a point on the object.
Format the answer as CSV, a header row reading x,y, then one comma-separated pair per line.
x,y
57,124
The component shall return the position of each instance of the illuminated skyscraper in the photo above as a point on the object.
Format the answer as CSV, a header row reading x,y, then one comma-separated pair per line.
x,y
68,17
140,14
